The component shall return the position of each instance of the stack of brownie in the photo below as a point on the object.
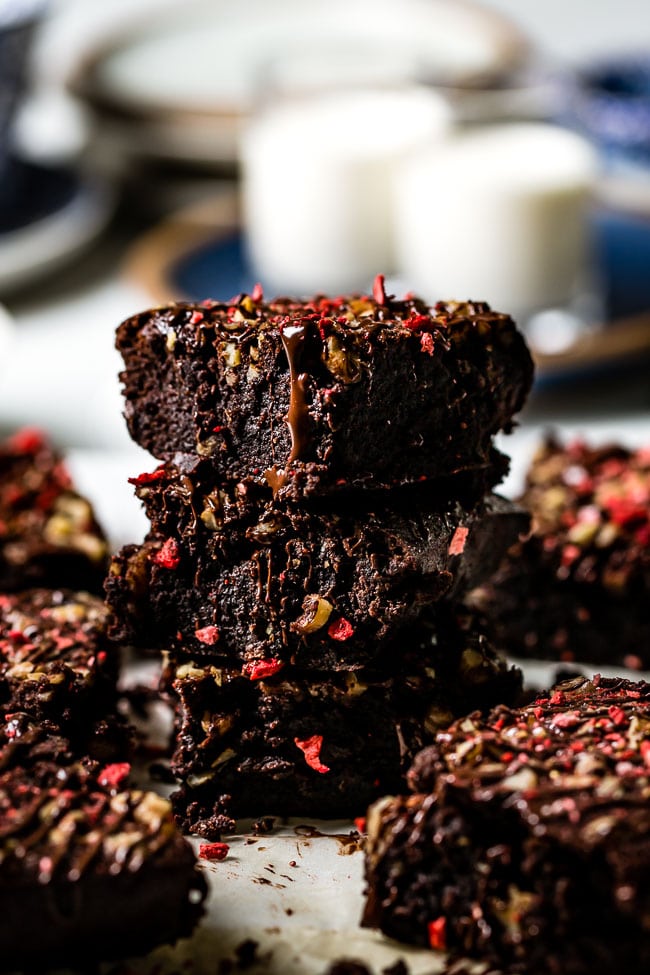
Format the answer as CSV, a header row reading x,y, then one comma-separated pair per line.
x,y
56,663
323,502
100,865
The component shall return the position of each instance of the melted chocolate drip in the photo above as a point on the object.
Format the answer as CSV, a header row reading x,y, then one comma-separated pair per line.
x,y
293,340
297,418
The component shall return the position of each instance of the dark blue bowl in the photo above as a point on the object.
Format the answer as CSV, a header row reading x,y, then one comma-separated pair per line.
x,y
18,20
611,105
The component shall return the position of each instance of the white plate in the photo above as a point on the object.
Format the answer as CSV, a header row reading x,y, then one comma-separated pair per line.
x,y
195,71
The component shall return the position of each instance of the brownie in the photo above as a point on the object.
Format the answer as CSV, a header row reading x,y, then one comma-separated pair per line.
x,y
270,738
41,749
49,535
100,867
251,580
410,530
526,841
56,664
579,587
329,394
89,872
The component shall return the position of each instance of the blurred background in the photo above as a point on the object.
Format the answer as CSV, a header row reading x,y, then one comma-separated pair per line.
x,y
170,149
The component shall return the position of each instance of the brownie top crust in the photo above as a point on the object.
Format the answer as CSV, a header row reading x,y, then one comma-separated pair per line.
x,y
575,765
331,392
43,628
47,832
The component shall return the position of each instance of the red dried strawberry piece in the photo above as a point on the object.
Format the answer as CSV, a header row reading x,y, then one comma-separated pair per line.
x,y
148,477
459,538
29,440
168,556
47,497
112,776
341,629
618,715
437,931
378,291
208,635
259,669
569,554
213,851
311,748
416,321
626,511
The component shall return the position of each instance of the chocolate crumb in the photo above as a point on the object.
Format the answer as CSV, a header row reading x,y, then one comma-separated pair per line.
x,y
264,825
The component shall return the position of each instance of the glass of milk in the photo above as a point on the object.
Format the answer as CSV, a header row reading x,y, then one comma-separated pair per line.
x,y
318,174
498,213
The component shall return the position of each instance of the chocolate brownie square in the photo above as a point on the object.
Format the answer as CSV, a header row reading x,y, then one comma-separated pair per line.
x,y
49,535
272,738
244,579
101,872
578,588
56,664
329,394
526,841
98,868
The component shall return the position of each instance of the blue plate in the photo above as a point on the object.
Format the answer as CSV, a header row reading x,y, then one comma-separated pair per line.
x,y
216,269
220,269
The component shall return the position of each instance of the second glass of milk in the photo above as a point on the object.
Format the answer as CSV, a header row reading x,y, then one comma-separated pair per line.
x,y
499,213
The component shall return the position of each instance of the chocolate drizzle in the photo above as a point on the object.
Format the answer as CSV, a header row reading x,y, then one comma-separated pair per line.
x,y
48,831
297,418
42,627
565,759
293,340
